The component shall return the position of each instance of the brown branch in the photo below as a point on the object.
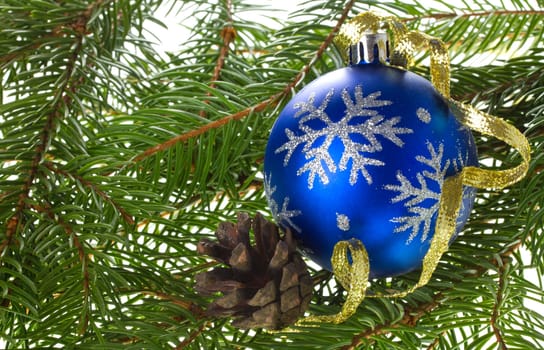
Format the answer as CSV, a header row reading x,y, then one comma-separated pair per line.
x,y
367,334
228,34
126,216
78,25
40,150
496,308
436,341
193,336
410,318
196,310
187,305
21,52
65,91
446,15
270,102
205,128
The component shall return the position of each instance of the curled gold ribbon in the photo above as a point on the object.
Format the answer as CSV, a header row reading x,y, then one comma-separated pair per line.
x,y
354,277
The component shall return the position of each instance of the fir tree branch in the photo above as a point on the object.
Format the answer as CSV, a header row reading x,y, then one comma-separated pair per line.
x,y
186,342
78,25
433,345
18,54
40,151
410,318
503,86
194,309
187,305
413,314
496,308
228,34
62,99
46,209
126,216
447,15
270,102
205,128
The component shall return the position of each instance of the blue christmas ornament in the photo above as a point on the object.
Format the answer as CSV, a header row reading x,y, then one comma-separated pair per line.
x,y
362,152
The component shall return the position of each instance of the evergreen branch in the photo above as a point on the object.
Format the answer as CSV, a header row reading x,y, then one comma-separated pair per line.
x,y
410,318
228,34
193,308
187,305
79,25
126,216
81,253
433,345
357,340
497,90
495,30
448,15
63,97
413,314
270,102
41,149
186,342
496,308
17,54
205,128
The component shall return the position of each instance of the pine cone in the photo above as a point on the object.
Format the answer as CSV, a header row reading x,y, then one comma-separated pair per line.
x,y
266,285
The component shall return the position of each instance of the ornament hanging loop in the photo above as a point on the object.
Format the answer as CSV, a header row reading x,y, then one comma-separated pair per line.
x,y
405,45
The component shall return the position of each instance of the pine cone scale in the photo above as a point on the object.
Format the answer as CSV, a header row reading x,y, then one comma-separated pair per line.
x,y
290,299
265,295
266,285
280,257
240,259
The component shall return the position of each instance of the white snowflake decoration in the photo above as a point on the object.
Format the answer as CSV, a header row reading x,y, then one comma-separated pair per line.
x,y
318,156
415,195
284,215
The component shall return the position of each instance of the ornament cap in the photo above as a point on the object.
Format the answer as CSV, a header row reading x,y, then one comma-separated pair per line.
x,y
371,48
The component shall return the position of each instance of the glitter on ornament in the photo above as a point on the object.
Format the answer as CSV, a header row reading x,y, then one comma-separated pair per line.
x,y
284,215
317,154
423,115
342,222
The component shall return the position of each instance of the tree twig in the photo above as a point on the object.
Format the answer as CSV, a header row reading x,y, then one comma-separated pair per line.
x,y
497,306
228,34
413,315
64,93
46,209
191,338
447,15
126,216
270,102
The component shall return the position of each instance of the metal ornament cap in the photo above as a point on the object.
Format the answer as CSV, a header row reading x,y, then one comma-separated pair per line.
x,y
371,48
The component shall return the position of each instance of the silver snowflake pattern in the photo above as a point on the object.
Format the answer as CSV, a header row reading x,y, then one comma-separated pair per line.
x,y
316,142
414,195
283,216
342,222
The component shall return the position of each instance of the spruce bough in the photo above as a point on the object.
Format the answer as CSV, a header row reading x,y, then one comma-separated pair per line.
x,y
117,160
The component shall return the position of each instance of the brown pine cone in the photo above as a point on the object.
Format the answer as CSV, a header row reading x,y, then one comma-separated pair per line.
x,y
266,285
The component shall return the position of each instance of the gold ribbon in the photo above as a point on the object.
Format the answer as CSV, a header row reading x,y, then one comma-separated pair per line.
x,y
354,278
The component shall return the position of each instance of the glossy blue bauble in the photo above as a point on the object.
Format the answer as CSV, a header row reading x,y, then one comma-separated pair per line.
x,y
362,152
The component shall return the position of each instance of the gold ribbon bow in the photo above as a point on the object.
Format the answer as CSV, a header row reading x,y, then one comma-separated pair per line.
x,y
354,278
